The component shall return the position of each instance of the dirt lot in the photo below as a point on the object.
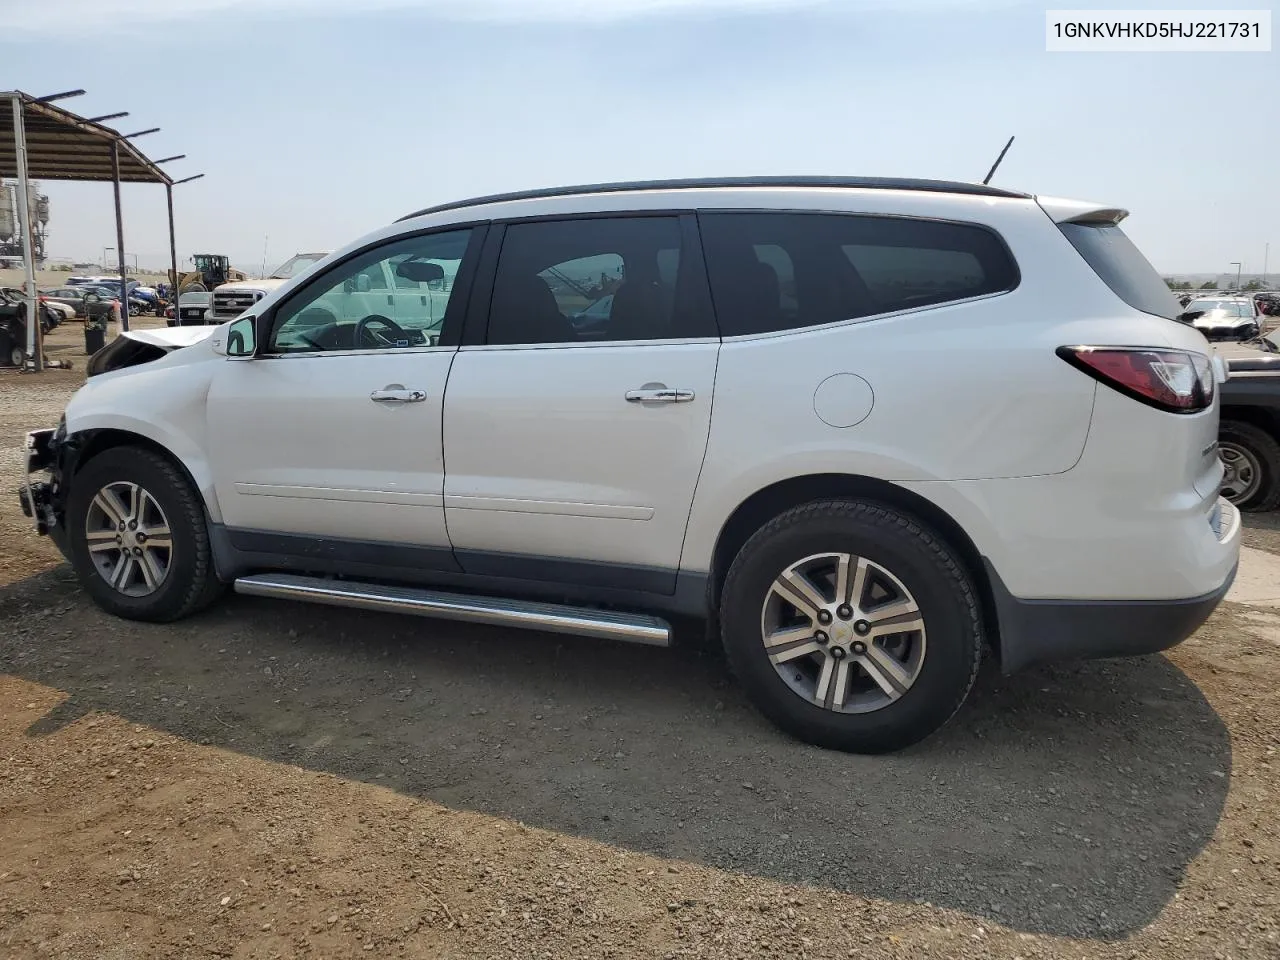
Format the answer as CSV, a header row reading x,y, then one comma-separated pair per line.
x,y
270,780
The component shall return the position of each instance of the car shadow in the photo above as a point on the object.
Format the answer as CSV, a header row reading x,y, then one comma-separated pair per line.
x,y
1066,801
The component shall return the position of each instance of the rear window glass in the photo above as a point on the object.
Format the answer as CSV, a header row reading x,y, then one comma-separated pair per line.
x,y
1122,267
783,271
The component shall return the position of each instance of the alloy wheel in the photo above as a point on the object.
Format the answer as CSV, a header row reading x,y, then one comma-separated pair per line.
x,y
128,538
843,632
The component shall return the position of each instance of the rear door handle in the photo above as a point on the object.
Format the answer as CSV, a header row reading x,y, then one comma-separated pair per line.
x,y
397,395
658,393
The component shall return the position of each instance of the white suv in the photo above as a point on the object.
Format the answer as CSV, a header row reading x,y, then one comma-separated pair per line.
x,y
863,427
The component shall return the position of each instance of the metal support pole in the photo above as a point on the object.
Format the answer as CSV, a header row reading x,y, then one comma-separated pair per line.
x,y
124,274
173,257
35,335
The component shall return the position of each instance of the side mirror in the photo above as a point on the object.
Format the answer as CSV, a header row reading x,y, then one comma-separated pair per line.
x,y
1189,316
360,283
420,271
92,298
241,339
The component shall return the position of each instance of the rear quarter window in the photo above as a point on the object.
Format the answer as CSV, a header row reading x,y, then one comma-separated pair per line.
x,y
1122,267
784,271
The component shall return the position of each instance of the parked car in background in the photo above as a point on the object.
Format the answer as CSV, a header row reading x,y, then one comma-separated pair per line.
x,y
138,304
72,297
193,307
65,312
1224,318
1249,432
13,325
77,297
753,435
51,315
105,279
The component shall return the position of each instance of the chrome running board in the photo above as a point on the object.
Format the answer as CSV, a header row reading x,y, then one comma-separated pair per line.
x,y
578,621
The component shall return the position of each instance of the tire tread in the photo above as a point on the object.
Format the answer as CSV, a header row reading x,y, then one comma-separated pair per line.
x,y
204,586
889,520
1268,450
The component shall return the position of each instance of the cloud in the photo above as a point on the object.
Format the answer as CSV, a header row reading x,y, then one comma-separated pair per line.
x,y
50,16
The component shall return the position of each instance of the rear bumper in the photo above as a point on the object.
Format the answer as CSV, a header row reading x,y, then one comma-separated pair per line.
x,y
1033,632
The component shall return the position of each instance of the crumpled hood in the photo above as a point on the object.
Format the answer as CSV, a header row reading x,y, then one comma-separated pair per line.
x,y
171,338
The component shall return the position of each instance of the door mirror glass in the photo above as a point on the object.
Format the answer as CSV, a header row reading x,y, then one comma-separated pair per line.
x,y
92,298
241,339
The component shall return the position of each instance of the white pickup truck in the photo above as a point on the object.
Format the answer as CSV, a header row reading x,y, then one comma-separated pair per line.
x,y
231,299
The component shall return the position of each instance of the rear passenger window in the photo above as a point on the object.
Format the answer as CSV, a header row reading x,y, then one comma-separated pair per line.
x,y
783,271
595,279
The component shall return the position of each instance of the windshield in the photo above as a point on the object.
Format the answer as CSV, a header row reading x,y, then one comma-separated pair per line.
x,y
1219,309
295,265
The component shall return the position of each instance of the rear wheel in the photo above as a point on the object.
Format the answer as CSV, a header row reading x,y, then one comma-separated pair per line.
x,y
1251,465
138,538
851,626
16,356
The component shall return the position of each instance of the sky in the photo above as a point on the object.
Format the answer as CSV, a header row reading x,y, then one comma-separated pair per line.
x,y
316,121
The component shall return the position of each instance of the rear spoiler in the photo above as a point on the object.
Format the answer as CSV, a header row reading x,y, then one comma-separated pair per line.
x,y
1081,211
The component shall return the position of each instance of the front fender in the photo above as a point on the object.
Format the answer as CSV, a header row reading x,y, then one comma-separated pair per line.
x,y
163,404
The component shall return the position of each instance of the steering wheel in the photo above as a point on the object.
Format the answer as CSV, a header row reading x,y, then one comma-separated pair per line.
x,y
377,338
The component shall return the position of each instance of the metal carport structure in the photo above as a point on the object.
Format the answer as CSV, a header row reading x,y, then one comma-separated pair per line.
x,y
39,140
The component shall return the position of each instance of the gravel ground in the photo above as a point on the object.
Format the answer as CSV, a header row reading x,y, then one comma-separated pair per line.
x,y
274,780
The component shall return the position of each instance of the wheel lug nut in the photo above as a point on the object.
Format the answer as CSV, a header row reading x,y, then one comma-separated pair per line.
x,y
859,648
821,636
133,524
838,652
119,539
862,627
824,617
122,527
844,612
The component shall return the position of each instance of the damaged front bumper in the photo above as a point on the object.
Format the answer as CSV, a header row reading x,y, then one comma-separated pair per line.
x,y
40,494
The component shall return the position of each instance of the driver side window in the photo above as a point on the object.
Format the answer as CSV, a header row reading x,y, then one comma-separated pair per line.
x,y
375,301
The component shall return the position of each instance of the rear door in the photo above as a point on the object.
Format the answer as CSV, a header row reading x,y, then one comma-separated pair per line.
x,y
573,450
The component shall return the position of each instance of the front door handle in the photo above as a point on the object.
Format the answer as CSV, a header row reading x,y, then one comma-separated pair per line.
x,y
658,393
397,394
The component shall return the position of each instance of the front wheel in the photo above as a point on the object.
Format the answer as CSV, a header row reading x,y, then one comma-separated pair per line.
x,y
851,626
137,537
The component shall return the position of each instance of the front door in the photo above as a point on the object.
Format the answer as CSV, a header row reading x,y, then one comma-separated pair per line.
x,y
334,430
575,434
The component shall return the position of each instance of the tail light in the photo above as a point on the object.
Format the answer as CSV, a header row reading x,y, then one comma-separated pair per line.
x,y
1176,381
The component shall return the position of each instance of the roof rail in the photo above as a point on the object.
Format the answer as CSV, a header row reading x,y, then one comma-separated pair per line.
x,y
862,183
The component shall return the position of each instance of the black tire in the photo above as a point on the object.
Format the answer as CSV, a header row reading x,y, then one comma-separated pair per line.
x,y
1263,454
925,565
191,583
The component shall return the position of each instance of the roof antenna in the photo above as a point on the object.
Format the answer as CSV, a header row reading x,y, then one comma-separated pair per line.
x,y
992,171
